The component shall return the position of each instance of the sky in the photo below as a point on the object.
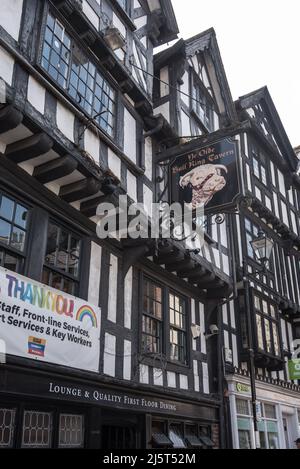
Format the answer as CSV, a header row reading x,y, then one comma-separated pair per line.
x,y
260,45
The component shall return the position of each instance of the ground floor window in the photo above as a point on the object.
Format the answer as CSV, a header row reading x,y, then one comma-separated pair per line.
x,y
71,431
268,426
37,428
7,426
244,421
244,429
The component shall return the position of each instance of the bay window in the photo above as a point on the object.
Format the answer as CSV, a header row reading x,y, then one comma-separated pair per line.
x,y
69,66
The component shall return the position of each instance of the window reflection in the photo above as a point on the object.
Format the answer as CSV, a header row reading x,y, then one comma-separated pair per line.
x,y
61,269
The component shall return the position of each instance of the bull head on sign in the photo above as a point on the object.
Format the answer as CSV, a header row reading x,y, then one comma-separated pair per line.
x,y
202,183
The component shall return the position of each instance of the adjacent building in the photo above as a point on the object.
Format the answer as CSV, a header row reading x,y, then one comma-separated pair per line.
x,y
136,343
269,171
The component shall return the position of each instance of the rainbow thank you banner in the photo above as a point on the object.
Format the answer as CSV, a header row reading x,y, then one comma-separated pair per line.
x,y
40,323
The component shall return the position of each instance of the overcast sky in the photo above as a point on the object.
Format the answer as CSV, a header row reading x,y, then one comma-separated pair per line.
x,y
259,42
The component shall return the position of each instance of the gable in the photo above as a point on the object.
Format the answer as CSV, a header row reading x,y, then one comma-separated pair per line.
x,y
204,49
260,109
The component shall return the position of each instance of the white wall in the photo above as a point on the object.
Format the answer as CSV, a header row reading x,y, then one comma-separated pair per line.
x,y
10,17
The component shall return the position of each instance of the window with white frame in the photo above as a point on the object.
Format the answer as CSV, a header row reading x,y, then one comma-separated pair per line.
x,y
268,428
244,422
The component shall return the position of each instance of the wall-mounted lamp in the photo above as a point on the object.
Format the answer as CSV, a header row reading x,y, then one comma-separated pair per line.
x,y
262,247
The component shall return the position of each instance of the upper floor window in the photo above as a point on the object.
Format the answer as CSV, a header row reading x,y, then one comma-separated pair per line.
x,y
152,329
260,171
61,263
258,163
13,233
251,233
157,302
124,4
177,314
266,326
69,66
202,104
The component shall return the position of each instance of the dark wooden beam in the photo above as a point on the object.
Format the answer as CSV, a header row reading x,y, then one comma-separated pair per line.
x,y
10,118
194,273
174,257
219,293
207,279
89,208
180,264
211,285
29,148
80,190
55,169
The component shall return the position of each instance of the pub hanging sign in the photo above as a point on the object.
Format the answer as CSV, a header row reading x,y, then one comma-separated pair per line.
x,y
207,177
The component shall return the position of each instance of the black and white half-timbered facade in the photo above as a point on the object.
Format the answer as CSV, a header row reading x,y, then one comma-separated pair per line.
x,y
126,343
102,356
269,172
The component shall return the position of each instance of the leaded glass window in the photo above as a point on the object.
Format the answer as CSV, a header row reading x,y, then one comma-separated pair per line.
x,y
61,265
71,431
7,427
37,429
71,68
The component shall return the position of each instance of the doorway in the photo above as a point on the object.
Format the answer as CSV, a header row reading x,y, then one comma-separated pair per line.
x,y
119,437
287,433
120,431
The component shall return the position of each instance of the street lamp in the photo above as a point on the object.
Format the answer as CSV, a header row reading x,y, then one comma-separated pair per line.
x,y
262,247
